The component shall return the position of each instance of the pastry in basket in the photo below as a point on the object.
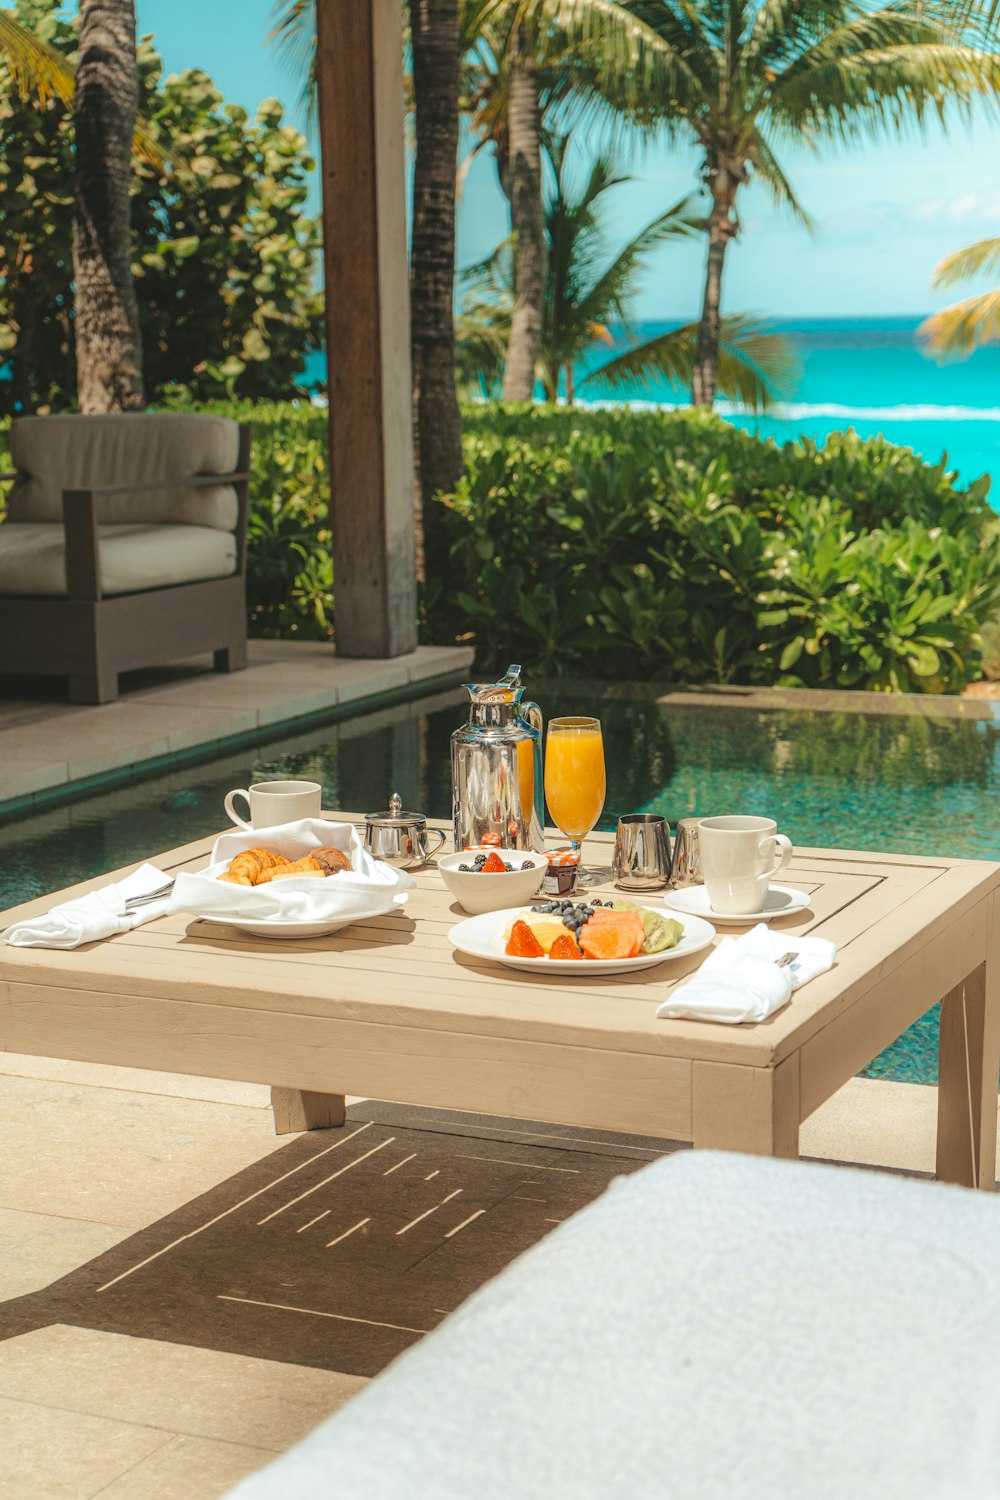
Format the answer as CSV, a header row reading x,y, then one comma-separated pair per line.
x,y
249,867
261,866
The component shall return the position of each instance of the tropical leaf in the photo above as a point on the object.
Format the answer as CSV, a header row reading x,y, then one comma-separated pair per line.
x,y
959,329
41,69
978,259
756,367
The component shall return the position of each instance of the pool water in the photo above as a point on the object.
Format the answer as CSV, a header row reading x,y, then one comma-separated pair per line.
x,y
908,783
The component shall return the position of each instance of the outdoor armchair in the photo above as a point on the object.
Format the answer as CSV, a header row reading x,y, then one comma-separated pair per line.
x,y
124,546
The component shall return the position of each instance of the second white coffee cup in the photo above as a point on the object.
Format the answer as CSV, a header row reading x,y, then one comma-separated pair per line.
x,y
739,855
274,802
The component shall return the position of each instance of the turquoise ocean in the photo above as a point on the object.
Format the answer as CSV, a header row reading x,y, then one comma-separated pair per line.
x,y
872,375
867,373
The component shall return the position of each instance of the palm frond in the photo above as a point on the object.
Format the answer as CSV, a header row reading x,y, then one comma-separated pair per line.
x,y
293,35
958,330
979,259
38,68
609,294
756,368
770,172
35,66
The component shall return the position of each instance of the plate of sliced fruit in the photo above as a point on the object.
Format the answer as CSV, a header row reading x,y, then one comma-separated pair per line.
x,y
583,938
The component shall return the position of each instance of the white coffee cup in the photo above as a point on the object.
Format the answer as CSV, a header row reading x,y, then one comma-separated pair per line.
x,y
274,802
738,857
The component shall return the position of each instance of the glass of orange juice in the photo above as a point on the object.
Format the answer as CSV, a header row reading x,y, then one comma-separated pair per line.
x,y
575,778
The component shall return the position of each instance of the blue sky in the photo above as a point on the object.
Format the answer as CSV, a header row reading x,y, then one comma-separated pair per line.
x,y
885,213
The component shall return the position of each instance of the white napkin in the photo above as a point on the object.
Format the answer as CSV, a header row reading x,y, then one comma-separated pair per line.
x,y
90,918
296,899
740,980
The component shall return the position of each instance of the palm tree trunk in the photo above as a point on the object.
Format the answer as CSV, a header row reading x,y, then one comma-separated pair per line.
x,y
722,226
527,220
437,428
108,346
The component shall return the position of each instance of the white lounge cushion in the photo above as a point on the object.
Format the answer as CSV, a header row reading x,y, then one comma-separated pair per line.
x,y
77,452
714,1327
132,558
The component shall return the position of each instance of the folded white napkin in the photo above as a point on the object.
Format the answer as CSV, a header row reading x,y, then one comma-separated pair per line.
x,y
297,899
740,980
90,918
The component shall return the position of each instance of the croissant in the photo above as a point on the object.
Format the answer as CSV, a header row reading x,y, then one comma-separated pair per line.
x,y
305,866
331,861
250,867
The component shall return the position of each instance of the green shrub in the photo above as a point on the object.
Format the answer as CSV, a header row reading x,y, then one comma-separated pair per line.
x,y
675,546
670,546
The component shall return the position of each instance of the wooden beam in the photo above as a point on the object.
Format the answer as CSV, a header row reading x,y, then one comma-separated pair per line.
x,y
360,84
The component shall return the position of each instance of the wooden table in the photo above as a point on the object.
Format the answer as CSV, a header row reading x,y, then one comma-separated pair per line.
x,y
387,1010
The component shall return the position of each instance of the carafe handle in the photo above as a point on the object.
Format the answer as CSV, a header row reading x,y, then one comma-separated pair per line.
x,y
533,714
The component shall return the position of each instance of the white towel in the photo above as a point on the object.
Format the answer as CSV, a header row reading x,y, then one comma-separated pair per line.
x,y
368,883
90,918
740,979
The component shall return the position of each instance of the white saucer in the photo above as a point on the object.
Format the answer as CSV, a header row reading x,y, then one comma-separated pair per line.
x,y
780,901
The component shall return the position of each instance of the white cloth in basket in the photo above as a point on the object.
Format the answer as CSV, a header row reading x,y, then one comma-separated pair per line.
x,y
368,883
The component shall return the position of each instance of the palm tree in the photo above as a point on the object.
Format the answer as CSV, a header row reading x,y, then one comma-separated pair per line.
x,y
532,61
748,76
105,105
588,290
962,327
437,425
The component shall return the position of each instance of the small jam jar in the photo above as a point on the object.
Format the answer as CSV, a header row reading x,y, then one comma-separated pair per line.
x,y
564,866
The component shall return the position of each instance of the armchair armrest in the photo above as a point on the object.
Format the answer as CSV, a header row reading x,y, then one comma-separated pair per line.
x,y
13,475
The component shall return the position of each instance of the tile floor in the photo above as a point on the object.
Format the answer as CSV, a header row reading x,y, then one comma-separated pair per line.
x,y
46,742
93,1154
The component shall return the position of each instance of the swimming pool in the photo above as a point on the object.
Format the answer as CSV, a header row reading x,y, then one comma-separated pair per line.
x,y
915,783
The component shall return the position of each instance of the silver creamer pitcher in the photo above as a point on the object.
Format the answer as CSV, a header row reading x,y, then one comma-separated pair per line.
x,y
496,768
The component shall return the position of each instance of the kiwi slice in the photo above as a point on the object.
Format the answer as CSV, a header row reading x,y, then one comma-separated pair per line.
x,y
661,932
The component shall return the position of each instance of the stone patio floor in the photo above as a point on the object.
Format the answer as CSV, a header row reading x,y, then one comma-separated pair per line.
x,y
91,1155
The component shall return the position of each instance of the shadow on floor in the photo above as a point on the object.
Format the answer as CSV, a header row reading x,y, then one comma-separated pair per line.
x,y
341,1248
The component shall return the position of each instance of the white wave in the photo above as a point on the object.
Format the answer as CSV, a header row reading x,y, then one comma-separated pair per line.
x,y
799,411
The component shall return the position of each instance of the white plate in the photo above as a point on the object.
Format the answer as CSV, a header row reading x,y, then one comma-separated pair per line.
x,y
483,937
780,901
275,927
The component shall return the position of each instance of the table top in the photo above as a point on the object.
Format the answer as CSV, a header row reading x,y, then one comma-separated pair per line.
x,y
881,910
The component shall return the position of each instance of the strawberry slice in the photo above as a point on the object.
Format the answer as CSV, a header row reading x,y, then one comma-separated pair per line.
x,y
565,947
494,865
522,942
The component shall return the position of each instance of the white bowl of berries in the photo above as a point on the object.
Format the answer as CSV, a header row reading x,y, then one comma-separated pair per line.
x,y
484,880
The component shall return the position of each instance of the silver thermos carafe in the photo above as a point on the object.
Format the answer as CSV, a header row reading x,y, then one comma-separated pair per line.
x,y
496,768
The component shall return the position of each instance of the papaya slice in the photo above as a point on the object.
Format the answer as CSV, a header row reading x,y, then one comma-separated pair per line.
x,y
612,935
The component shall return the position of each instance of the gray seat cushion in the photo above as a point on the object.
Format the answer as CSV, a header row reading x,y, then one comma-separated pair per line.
x,y
73,452
132,558
713,1328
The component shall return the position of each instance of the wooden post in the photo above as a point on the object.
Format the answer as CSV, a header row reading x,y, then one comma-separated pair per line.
x,y
746,1109
303,1109
359,65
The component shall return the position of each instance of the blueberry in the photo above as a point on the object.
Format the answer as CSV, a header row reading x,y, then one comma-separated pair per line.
x,y
509,868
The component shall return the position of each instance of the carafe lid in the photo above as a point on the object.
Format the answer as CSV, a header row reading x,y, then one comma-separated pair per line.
x,y
507,690
394,816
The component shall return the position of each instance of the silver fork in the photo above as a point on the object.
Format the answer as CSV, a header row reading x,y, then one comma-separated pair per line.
x,y
132,903
786,959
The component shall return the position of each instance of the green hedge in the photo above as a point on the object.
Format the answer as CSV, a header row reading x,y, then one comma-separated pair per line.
x,y
670,546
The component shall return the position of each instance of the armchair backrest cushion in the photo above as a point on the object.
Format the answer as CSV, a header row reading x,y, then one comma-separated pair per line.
x,y
73,452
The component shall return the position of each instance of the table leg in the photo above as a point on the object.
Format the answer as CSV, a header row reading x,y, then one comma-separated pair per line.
x,y
968,1063
746,1109
302,1109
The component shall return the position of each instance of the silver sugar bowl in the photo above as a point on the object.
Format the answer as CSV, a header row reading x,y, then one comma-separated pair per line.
x,y
400,838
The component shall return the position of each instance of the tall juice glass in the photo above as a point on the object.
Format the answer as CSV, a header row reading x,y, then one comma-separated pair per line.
x,y
575,778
